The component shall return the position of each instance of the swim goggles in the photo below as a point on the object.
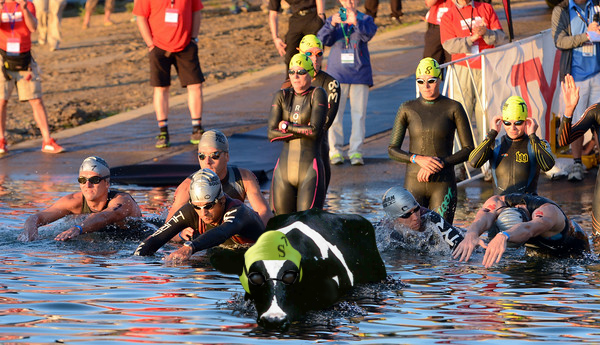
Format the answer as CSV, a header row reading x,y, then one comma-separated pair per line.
x,y
93,179
298,72
214,156
516,123
429,81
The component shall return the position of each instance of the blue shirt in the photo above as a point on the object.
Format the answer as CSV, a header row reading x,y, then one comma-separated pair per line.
x,y
583,65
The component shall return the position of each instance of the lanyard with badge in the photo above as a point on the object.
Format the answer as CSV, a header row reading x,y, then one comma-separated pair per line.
x,y
589,48
475,46
171,15
13,44
347,51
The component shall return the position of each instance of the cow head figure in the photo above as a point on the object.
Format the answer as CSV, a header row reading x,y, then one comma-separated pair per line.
x,y
271,273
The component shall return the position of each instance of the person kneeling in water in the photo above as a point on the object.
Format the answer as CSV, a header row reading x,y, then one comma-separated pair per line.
x,y
528,219
104,206
399,204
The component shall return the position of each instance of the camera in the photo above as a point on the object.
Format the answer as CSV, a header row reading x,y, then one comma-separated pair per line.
x,y
343,16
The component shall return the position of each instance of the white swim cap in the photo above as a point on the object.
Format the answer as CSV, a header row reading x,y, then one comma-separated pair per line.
x,y
214,139
95,164
205,186
397,201
509,217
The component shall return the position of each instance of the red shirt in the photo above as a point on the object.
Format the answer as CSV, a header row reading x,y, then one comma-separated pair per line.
x,y
435,13
13,25
458,23
170,37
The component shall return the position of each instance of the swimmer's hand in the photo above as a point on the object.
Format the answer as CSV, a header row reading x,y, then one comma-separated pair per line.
x,y
497,123
465,248
494,250
178,256
570,93
433,164
423,175
531,126
67,234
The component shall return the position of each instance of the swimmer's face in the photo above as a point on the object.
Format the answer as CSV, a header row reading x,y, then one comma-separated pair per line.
x,y
214,214
315,58
429,87
413,222
514,131
93,191
219,166
300,83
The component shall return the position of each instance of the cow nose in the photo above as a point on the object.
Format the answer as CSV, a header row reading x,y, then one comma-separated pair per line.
x,y
279,322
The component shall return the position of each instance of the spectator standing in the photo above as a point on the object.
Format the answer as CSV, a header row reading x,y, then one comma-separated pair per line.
x,y
20,69
49,15
571,22
170,30
433,45
469,28
350,65
90,6
395,7
307,18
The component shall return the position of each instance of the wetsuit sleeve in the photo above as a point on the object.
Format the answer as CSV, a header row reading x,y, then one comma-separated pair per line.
x,y
398,133
179,221
238,220
569,133
333,100
452,235
464,136
542,151
277,109
483,152
318,113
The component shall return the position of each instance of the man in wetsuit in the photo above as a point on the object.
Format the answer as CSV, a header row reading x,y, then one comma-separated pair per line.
x,y
238,183
569,133
515,160
104,206
298,119
312,47
431,121
215,217
399,204
520,218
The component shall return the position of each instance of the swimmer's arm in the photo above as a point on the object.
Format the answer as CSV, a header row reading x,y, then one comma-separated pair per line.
x,y
180,220
395,151
547,220
463,128
333,98
274,133
63,207
483,152
569,133
318,114
181,197
543,152
255,197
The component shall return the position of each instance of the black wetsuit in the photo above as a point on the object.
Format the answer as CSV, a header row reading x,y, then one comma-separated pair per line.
x,y
332,87
298,179
232,183
570,241
452,236
516,163
431,126
239,223
569,133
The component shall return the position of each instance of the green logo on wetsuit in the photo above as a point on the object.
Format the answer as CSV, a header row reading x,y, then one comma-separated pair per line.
x,y
445,206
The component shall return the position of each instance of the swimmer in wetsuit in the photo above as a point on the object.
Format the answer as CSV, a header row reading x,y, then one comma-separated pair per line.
x,y
238,183
104,206
215,218
431,121
569,133
312,47
400,205
528,219
298,118
517,157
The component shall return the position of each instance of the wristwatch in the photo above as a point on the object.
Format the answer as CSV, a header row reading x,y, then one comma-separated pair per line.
x,y
189,244
195,39
284,126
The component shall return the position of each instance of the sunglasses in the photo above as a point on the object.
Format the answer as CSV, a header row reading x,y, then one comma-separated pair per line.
x,y
258,279
516,123
311,53
93,179
206,206
214,156
408,214
298,72
429,81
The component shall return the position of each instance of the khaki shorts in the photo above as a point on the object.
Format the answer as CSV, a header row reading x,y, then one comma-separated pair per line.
x,y
29,83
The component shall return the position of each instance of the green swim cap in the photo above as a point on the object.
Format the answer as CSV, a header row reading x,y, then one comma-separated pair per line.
x,y
429,66
310,41
271,245
304,62
514,109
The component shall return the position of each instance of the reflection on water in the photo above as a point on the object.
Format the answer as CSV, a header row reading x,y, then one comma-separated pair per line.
x,y
92,289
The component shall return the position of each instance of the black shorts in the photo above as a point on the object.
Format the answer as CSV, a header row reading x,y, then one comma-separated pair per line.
x,y
186,63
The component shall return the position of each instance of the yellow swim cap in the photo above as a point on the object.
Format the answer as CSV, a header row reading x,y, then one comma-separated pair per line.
x,y
304,62
514,109
310,41
429,66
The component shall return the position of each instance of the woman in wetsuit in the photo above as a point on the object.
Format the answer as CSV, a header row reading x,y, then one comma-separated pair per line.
x,y
431,121
297,118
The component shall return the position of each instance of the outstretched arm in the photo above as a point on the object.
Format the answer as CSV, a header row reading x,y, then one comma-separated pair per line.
x,y
63,207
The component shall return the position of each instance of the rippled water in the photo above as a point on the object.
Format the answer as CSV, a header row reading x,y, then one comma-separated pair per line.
x,y
92,290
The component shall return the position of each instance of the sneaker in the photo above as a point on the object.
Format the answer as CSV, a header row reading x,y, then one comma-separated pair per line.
x,y
162,141
576,173
336,159
356,159
196,135
3,149
52,147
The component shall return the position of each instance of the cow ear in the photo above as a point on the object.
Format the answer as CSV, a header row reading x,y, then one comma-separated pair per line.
x,y
228,261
